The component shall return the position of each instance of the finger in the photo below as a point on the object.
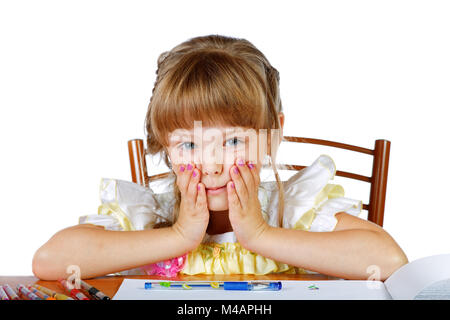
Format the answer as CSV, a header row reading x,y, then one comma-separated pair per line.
x,y
193,182
239,184
201,196
254,170
176,167
184,176
246,175
233,199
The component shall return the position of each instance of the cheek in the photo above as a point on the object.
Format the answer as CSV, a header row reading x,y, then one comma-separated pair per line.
x,y
181,156
174,156
226,172
229,159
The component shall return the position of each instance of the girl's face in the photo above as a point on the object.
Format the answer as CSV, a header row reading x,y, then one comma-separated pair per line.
x,y
213,150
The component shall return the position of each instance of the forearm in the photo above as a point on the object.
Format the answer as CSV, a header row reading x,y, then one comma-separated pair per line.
x,y
344,254
99,252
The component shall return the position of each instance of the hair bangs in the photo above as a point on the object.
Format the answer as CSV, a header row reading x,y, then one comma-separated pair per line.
x,y
214,88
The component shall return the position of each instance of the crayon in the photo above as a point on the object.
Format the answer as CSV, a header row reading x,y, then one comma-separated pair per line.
x,y
40,294
94,292
75,293
10,292
54,294
3,295
27,293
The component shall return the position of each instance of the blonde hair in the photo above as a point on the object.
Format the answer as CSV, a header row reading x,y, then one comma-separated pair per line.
x,y
219,80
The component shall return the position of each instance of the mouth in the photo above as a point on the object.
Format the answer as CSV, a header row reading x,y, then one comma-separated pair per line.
x,y
215,190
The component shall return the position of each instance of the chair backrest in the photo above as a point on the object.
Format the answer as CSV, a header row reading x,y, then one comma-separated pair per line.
x,y
378,180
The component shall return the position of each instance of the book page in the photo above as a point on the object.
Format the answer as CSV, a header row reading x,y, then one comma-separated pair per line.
x,y
408,281
134,289
437,291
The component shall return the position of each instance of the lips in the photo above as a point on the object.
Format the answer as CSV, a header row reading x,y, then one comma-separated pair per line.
x,y
214,188
214,191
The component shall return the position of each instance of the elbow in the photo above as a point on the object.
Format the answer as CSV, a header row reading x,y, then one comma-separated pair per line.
x,y
389,255
40,264
51,259
43,266
394,262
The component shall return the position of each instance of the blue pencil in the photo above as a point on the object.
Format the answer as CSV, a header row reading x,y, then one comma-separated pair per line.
x,y
224,285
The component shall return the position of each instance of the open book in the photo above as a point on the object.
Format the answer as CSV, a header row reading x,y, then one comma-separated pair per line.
x,y
423,279
426,278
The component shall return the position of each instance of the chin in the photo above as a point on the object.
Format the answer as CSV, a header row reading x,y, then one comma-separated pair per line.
x,y
217,204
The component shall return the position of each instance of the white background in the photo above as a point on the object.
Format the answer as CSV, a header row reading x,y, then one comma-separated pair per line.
x,y
76,78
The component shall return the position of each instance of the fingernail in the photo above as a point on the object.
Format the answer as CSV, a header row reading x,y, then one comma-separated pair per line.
x,y
251,166
189,167
182,168
240,162
198,187
236,170
194,174
232,185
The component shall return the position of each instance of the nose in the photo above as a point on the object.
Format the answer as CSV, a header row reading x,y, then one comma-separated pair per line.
x,y
211,169
211,162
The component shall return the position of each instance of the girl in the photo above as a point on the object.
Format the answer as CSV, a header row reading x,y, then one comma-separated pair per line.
x,y
216,215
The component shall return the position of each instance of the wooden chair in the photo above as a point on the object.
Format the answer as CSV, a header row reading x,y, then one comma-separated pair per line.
x,y
378,180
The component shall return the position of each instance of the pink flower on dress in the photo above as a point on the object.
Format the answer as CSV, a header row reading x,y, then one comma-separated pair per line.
x,y
167,268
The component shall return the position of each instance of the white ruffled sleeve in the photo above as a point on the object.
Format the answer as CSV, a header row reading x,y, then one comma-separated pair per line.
x,y
311,202
127,206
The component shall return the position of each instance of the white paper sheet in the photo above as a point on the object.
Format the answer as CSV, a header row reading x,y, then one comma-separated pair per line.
x,y
134,289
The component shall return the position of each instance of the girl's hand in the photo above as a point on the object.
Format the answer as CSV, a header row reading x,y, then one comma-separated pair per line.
x,y
193,216
243,203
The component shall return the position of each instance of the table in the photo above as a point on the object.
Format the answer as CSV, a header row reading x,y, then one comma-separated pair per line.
x,y
110,284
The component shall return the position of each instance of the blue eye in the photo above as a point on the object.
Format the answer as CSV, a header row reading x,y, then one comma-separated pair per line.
x,y
235,141
190,144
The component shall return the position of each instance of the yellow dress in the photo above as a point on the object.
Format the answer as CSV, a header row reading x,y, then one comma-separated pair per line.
x,y
311,203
